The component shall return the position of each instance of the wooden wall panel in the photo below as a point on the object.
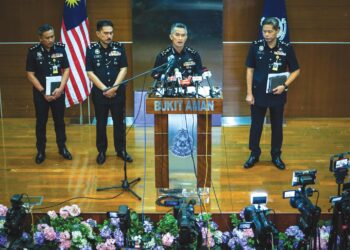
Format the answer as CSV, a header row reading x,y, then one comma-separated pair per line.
x,y
25,17
324,82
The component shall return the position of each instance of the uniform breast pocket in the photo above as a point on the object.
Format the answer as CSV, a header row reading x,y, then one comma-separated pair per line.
x,y
115,61
97,63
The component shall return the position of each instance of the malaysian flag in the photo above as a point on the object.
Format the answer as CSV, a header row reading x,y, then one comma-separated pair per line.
x,y
75,34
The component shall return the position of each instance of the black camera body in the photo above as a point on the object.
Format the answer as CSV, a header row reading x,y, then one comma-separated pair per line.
x,y
310,214
15,217
262,227
186,221
124,217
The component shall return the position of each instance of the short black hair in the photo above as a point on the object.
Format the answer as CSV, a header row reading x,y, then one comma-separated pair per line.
x,y
272,21
102,23
43,28
177,25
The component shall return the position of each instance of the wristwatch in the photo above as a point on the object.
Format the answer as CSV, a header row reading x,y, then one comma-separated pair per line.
x,y
285,87
42,92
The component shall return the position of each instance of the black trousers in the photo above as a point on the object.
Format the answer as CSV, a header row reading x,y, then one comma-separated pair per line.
x,y
258,115
42,112
101,112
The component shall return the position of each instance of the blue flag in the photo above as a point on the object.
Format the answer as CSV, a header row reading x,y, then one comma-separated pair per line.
x,y
276,8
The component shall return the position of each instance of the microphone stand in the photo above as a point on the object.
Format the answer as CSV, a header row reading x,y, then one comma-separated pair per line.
x,y
126,184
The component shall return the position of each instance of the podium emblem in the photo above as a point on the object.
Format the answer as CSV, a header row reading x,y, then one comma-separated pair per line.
x,y
182,145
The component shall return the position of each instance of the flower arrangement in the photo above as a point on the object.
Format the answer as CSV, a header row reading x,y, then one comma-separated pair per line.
x,y
237,238
67,230
292,238
3,235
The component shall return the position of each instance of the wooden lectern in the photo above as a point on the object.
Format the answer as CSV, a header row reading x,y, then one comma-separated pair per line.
x,y
161,107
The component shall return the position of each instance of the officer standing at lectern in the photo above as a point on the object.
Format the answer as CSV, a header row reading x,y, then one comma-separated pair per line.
x,y
106,66
187,60
267,56
45,61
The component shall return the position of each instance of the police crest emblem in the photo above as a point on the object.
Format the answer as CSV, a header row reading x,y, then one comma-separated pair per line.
x,y
182,144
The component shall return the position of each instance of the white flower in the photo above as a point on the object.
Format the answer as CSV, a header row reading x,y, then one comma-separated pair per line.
x,y
137,239
149,244
218,236
2,222
52,214
76,236
74,210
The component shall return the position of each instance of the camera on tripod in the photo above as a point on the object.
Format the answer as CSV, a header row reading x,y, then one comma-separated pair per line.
x,y
310,213
256,217
339,165
186,221
339,234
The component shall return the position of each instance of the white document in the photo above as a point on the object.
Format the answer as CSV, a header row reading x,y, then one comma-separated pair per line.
x,y
52,83
275,79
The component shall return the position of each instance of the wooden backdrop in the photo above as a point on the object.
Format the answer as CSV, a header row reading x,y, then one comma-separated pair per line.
x,y
319,29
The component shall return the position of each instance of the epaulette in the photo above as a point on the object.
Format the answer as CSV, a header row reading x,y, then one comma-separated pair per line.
x,y
93,45
35,46
117,44
58,44
191,50
259,41
166,51
284,43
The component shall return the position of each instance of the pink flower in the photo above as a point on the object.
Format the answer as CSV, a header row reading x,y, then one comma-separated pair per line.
x,y
248,233
167,239
41,227
74,210
49,233
3,210
64,212
108,245
207,237
64,236
66,244
52,215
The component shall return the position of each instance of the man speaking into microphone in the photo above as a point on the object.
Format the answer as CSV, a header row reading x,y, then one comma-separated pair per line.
x,y
187,61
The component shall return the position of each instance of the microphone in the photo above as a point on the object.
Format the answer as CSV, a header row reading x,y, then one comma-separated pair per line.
x,y
178,74
171,62
206,75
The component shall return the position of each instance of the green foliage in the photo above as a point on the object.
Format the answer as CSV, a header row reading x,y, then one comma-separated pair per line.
x,y
168,224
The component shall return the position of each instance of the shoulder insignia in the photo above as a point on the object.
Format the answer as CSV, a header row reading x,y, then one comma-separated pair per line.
x,y
115,44
35,46
166,51
58,44
191,50
93,45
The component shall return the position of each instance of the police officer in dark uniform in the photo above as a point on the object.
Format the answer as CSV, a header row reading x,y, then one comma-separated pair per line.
x,y
187,60
106,66
44,60
266,56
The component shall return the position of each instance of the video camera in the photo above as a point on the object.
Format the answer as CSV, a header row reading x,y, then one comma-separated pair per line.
x,y
124,217
339,165
310,214
186,221
339,162
303,178
256,217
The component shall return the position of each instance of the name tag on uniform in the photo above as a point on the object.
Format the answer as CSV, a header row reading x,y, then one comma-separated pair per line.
x,y
54,69
114,53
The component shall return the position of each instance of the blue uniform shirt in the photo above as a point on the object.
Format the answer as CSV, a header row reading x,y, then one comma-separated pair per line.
x,y
188,62
46,63
264,60
106,64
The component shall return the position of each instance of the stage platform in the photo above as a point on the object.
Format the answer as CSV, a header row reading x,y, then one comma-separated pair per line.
x,y
308,144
